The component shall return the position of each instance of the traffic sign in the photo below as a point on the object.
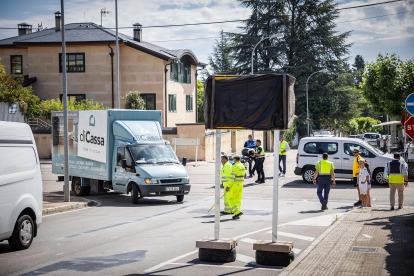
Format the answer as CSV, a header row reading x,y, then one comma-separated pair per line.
x,y
409,103
409,127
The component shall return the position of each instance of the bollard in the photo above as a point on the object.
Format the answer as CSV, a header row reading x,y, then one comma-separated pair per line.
x,y
184,161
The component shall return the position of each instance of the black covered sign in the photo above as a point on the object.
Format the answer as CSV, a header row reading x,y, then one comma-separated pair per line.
x,y
258,102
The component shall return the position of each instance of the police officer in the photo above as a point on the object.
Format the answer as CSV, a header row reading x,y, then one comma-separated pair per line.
x,y
325,170
250,143
396,175
235,187
258,162
225,178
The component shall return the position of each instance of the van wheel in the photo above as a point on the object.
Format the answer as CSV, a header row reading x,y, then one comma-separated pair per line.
x,y
378,177
78,189
180,198
308,174
411,171
135,193
22,236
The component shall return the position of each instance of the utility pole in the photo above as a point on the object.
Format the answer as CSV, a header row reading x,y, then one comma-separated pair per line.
x,y
117,56
66,190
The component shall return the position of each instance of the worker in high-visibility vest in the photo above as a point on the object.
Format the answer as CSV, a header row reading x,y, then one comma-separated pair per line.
x,y
325,171
225,179
396,175
235,186
259,158
283,148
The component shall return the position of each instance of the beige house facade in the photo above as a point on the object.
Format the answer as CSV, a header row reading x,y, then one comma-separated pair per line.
x,y
166,79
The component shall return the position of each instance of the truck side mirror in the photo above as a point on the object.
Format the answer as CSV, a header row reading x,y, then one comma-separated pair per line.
x,y
124,163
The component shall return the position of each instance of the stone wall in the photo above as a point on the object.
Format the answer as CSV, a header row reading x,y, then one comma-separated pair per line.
x,y
44,145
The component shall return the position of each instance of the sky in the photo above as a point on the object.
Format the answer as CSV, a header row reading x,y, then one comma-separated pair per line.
x,y
393,34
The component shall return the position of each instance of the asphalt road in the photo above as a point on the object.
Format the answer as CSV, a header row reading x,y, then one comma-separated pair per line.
x,y
157,236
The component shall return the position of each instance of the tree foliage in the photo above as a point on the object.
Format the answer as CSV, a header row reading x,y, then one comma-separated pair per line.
x,y
358,66
221,61
365,124
12,91
133,100
200,102
387,82
47,106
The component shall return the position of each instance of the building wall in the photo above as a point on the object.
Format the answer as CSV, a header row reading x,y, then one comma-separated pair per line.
x,y
44,145
5,56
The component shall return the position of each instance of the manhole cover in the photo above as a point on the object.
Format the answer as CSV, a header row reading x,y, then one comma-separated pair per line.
x,y
364,249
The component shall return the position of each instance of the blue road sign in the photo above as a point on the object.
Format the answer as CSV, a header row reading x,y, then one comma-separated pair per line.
x,y
409,103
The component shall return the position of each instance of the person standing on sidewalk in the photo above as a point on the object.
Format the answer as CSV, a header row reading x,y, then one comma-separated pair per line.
x,y
250,143
235,186
396,175
225,178
363,178
283,148
325,171
355,172
369,184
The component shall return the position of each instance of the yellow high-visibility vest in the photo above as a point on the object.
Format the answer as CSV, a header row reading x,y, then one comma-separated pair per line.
x,y
395,178
282,147
325,167
226,173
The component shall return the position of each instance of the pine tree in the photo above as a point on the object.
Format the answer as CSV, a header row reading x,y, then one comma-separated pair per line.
x,y
359,66
221,61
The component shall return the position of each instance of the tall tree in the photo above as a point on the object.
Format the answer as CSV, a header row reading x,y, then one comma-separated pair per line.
x,y
310,43
221,61
358,66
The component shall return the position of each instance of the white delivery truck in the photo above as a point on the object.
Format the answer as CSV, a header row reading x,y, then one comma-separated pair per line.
x,y
21,196
120,150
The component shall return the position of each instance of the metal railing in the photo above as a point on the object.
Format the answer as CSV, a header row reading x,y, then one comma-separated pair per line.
x,y
37,122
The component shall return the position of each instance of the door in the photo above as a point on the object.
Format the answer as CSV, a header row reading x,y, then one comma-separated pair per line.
x,y
332,149
309,155
348,157
120,175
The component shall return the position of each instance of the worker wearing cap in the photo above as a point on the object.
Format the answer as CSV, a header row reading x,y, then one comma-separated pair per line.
x,y
225,179
235,186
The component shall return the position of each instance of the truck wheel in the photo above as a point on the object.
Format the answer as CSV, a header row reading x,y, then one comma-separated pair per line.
x,y
308,174
22,236
78,188
378,177
180,198
135,193
411,171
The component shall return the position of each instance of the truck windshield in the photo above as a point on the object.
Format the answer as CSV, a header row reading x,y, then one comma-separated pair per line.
x,y
153,154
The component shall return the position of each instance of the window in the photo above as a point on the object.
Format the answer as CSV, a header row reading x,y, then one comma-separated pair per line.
x,y
372,136
321,147
349,148
172,103
181,71
75,62
76,97
16,65
149,100
123,153
189,103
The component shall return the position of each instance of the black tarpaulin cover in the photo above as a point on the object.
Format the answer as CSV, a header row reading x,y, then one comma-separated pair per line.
x,y
258,102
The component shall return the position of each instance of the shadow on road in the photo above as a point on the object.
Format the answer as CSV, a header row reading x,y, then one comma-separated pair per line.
x,y
340,184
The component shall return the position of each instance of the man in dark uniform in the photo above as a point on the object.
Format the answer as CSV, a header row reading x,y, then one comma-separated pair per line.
x,y
258,161
250,143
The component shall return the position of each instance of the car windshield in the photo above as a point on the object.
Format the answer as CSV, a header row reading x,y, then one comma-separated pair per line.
x,y
377,150
153,154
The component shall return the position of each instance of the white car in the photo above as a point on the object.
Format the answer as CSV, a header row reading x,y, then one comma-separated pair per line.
x,y
21,196
340,152
371,138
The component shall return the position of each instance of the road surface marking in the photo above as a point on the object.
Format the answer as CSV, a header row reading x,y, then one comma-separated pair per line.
x,y
61,213
59,254
248,240
228,266
296,250
170,261
366,236
300,237
245,259
325,220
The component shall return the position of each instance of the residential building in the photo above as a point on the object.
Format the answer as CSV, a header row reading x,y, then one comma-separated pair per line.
x,y
166,79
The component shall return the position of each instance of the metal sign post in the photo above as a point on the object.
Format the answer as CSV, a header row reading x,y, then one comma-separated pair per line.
x,y
117,56
66,190
217,190
275,185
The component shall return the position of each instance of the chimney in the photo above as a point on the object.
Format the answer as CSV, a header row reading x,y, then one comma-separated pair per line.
x,y
137,32
58,21
24,28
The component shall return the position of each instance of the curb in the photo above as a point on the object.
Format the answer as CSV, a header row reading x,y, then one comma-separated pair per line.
x,y
292,266
65,208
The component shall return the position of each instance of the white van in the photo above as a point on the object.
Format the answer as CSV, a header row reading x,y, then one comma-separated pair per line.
x,y
340,152
21,195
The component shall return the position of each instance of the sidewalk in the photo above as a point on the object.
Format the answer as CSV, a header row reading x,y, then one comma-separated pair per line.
x,y
54,203
372,241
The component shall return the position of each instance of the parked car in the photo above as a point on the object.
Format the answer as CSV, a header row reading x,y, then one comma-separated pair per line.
x,y
21,195
353,136
340,152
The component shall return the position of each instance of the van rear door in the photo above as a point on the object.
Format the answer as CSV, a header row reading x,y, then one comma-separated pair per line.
x,y
333,150
309,155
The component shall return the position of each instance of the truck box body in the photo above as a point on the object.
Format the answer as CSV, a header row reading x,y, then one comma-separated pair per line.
x,y
92,136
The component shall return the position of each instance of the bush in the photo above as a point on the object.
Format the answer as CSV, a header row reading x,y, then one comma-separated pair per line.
x,y
46,107
133,100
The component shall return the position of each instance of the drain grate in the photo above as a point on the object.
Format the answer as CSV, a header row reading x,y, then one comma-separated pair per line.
x,y
364,249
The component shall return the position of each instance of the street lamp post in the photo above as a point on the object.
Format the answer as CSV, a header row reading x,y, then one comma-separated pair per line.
x,y
307,102
280,35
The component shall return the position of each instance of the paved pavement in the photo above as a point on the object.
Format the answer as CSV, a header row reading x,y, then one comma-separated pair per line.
x,y
157,236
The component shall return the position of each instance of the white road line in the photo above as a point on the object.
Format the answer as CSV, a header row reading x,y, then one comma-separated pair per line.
x,y
170,261
61,213
296,250
245,259
290,235
227,266
325,220
248,240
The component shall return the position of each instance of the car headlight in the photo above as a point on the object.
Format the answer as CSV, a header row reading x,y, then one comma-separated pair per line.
x,y
151,181
186,179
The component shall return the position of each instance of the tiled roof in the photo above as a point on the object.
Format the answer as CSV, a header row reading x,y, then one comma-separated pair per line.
x,y
93,33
